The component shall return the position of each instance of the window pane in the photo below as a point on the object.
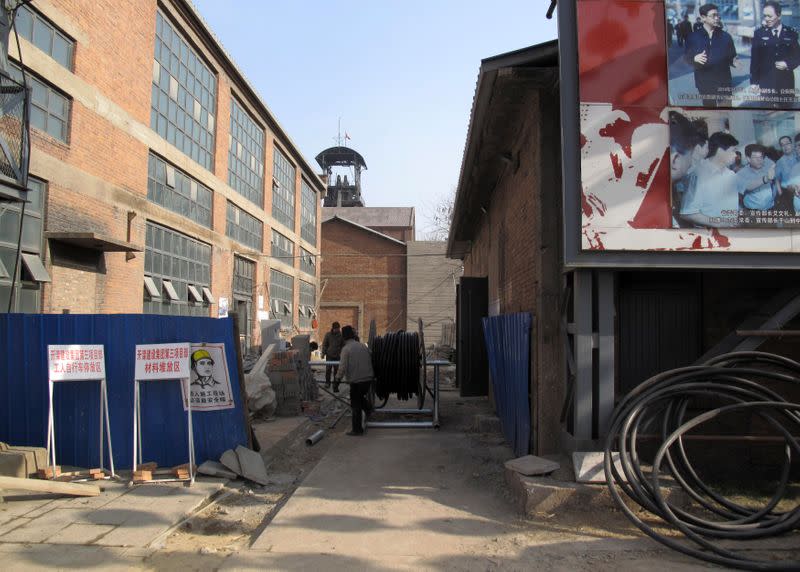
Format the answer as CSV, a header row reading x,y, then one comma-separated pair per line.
x,y
62,51
43,36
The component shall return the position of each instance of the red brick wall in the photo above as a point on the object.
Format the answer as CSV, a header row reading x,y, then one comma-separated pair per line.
x,y
522,262
364,268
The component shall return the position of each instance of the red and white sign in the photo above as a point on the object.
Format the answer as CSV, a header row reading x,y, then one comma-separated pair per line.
x,y
76,362
162,361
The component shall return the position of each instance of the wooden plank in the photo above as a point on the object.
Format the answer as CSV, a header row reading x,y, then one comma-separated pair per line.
x,y
39,486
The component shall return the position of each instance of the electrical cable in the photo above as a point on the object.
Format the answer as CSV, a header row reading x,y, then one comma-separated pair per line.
x,y
735,383
396,363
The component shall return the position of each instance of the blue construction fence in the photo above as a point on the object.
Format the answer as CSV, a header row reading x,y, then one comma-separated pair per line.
x,y
24,389
508,346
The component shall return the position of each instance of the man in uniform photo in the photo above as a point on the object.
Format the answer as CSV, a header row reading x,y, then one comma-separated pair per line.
x,y
774,56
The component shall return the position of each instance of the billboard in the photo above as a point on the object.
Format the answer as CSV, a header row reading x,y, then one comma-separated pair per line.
x,y
633,80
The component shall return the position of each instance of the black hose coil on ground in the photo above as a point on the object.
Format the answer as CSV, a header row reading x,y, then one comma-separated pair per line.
x,y
734,383
396,363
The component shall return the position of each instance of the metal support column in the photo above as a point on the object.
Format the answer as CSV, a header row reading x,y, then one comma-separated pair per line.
x,y
583,354
606,310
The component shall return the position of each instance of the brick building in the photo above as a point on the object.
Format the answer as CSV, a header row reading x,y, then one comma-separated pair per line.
x,y
363,271
161,182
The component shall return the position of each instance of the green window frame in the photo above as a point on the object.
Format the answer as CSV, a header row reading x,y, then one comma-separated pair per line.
x,y
173,189
244,227
183,95
281,295
283,180
246,155
43,34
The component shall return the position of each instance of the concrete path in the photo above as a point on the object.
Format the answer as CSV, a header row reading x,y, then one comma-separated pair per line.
x,y
403,499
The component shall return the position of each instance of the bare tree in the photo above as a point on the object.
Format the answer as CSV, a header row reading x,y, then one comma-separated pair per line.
x,y
441,218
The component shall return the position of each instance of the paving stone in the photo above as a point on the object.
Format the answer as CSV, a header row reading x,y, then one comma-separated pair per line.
x,y
215,469
532,465
589,466
66,557
40,529
231,460
12,524
252,464
80,534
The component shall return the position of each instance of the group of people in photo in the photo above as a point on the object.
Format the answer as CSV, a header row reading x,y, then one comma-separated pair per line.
x,y
714,185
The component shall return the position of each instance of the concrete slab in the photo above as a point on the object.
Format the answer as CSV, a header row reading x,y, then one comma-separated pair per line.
x,y
532,465
215,469
589,466
64,557
231,461
253,467
80,534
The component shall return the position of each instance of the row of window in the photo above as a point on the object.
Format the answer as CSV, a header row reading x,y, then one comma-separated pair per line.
x,y
183,109
178,280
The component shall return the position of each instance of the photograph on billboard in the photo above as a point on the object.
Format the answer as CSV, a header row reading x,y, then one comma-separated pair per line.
x,y
735,169
734,53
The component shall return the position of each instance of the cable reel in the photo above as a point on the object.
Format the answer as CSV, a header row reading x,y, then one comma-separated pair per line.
x,y
399,363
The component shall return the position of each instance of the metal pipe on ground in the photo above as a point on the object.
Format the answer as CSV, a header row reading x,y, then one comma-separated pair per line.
x,y
315,437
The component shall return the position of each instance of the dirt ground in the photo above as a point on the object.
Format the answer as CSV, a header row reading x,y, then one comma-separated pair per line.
x,y
233,519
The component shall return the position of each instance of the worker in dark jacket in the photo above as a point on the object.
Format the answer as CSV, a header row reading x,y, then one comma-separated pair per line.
x,y
356,369
331,351
775,55
711,51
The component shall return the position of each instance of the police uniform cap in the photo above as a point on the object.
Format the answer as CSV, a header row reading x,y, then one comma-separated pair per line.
x,y
201,354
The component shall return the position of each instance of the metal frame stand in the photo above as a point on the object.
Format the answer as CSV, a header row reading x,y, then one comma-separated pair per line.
x,y
137,433
434,411
51,429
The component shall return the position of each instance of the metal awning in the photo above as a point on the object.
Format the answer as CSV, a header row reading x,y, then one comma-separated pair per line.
x,y
209,297
195,294
93,241
34,265
150,286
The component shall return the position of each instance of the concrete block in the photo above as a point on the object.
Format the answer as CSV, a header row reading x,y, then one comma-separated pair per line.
x,y
214,469
35,457
253,467
12,464
589,466
487,424
532,465
231,461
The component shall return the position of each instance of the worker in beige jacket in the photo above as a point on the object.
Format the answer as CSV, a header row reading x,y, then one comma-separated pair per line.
x,y
355,367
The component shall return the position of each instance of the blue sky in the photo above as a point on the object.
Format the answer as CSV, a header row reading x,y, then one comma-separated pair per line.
x,y
400,74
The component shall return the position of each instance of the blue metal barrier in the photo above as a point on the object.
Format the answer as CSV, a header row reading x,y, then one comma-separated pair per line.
x,y
508,348
23,389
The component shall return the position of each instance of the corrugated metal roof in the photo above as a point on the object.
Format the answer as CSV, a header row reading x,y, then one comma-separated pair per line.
x,y
372,216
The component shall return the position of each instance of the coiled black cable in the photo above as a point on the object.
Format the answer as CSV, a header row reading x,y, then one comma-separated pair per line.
x,y
396,364
732,383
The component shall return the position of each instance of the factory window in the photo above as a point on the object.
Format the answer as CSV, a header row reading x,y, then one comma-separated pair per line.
x,y
177,268
308,263
49,108
243,227
44,35
308,213
27,295
184,93
175,190
246,155
283,190
282,248
281,294
244,272
308,301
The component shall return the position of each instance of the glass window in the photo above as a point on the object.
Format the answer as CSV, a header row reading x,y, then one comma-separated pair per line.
x,y
308,300
28,288
308,263
244,227
175,190
283,190
246,155
173,262
281,294
49,108
44,35
282,248
177,114
308,213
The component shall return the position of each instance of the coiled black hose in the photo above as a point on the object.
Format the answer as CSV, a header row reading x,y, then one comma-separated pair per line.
x,y
396,363
733,383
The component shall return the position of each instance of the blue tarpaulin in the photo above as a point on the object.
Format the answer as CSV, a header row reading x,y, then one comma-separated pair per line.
x,y
23,389
508,349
